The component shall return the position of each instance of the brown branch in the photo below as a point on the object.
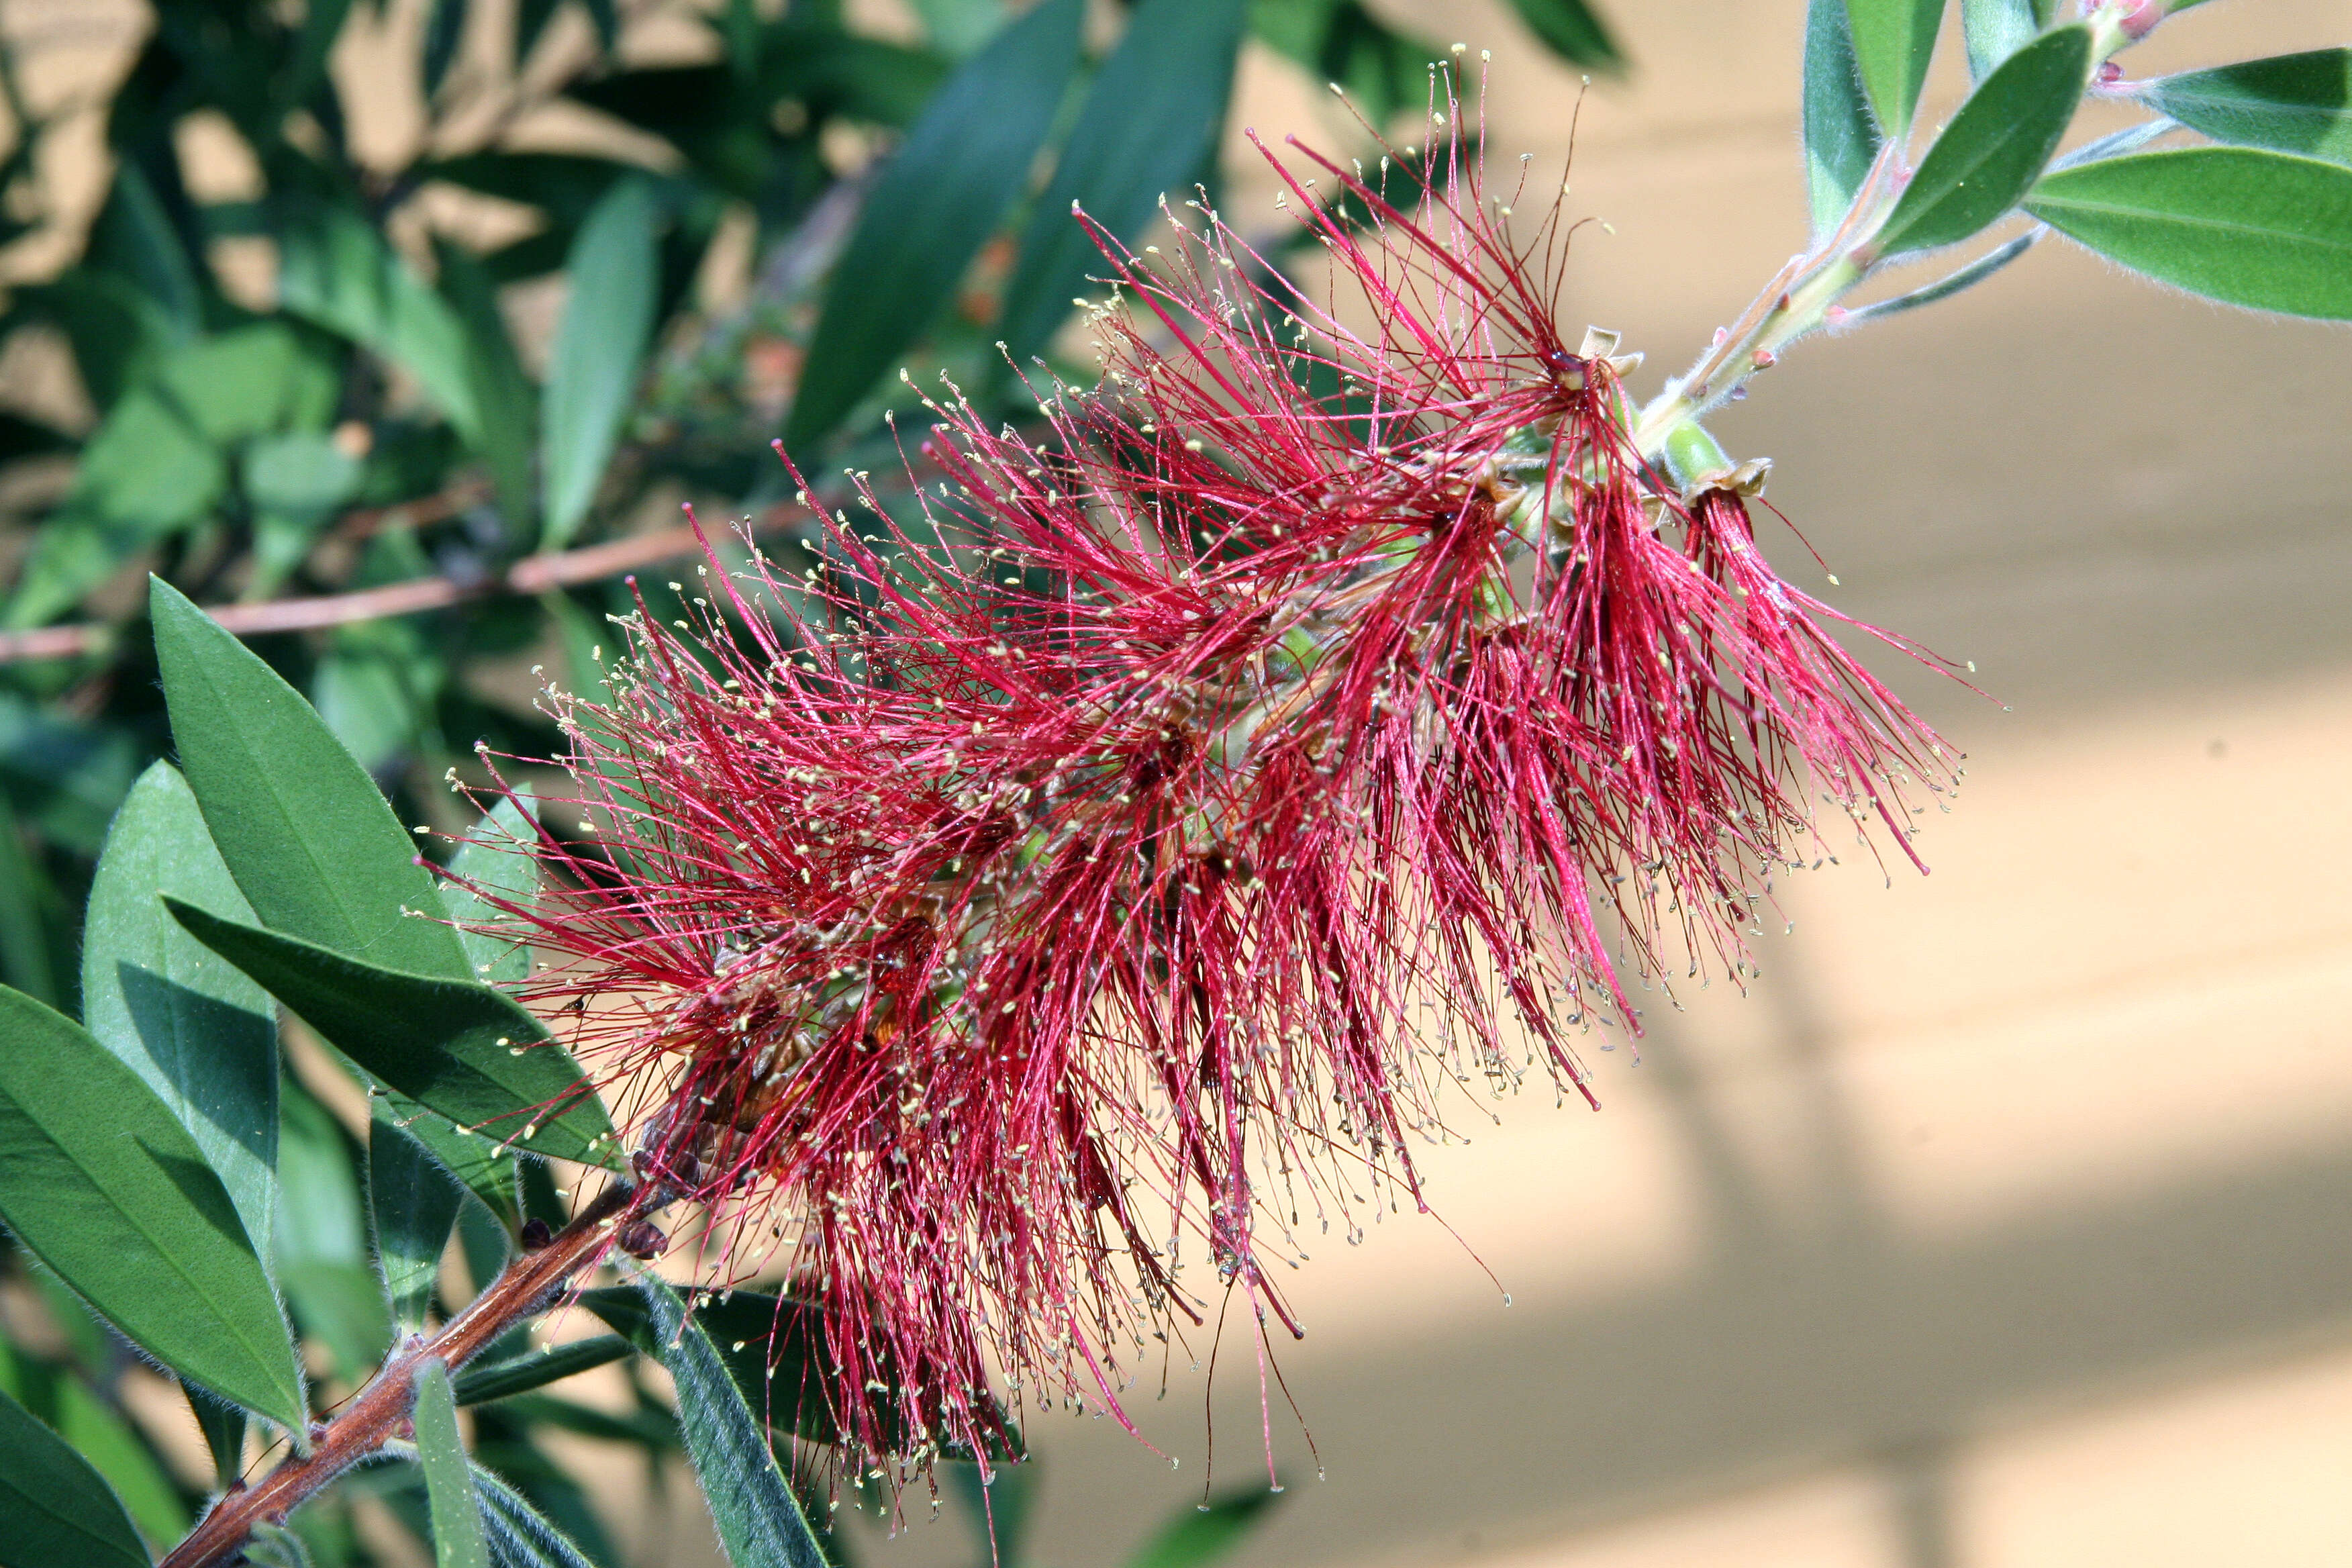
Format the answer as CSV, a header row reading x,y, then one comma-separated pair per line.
x,y
379,1412
532,575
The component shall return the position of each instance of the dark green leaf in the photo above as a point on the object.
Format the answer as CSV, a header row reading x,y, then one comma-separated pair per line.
x,y
497,858
1995,29
1203,1534
482,1382
1893,42
759,1521
1841,138
202,1036
412,1207
134,238
335,270
774,1349
100,1434
1570,29
509,403
322,1235
964,163
600,347
66,775
649,1427
1993,148
1149,119
250,382
309,838
479,1164
2295,103
521,1536
223,1426
2260,229
1341,42
102,1183
56,1510
455,1046
458,1538
443,35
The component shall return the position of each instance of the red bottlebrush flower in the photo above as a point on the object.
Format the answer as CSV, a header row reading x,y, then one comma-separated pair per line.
x,y
1126,843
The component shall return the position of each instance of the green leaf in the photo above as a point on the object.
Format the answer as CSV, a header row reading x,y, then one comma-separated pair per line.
x,y
2246,227
479,1165
959,27
1841,138
412,1207
2293,103
759,1521
1149,121
443,35
455,1046
774,1349
223,1426
100,1182
103,1437
519,1534
1570,30
1995,29
67,776
963,164
1207,1532
509,401
335,270
1341,42
322,1235
600,347
1893,42
458,1538
133,237
311,841
496,857
482,1382
250,382
55,1510
1988,154
198,1032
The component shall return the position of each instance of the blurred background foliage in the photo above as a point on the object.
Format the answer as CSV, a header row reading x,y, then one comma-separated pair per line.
x,y
471,386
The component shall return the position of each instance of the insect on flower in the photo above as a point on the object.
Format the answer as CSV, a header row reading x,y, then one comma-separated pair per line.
x,y
1112,856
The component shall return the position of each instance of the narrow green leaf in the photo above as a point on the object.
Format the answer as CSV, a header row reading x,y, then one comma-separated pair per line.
x,y
1995,29
502,391
185,1020
1893,42
458,1538
1988,154
412,1207
455,1046
443,35
1339,41
223,1426
496,858
960,28
2261,229
1148,121
2293,103
55,1510
1205,1534
600,347
963,164
521,1536
311,841
774,1349
1841,138
1572,29
322,1235
759,1521
100,1434
482,1382
102,1183
479,1165
335,270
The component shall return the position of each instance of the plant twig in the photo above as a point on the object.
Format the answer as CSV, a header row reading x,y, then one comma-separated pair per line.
x,y
532,575
379,1412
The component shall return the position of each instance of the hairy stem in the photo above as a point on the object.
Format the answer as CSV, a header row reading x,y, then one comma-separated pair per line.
x,y
379,1412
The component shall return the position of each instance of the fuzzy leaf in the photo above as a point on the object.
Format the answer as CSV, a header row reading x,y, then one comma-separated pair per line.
x,y
455,1046
198,1032
100,1181
521,1536
2001,138
600,347
412,1207
2261,229
496,858
774,1349
485,1381
311,841
1995,29
2292,104
1149,123
1841,137
759,1521
964,164
1893,42
55,1510
458,1540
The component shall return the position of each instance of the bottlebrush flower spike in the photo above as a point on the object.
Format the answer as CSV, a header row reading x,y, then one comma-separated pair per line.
x,y
1127,842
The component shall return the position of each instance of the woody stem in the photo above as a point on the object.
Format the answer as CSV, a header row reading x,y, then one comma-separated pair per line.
x,y
379,1412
